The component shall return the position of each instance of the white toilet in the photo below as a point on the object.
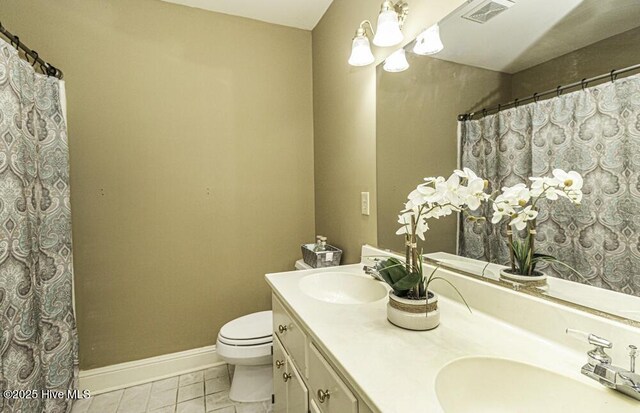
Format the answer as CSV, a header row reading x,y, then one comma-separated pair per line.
x,y
246,343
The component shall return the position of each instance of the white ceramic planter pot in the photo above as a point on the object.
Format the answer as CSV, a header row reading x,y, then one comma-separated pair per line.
x,y
413,314
539,280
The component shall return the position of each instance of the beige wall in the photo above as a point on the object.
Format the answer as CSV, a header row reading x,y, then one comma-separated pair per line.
x,y
616,52
417,135
345,119
191,165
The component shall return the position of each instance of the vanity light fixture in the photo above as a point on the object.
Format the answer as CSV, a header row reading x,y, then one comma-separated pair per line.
x,y
360,48
389,32
429,42
390,22
396,62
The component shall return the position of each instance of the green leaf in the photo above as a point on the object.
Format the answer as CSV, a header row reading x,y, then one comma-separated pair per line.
x,y
408,282
393,271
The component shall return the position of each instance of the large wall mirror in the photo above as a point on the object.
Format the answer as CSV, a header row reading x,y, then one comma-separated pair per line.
x,y
495,53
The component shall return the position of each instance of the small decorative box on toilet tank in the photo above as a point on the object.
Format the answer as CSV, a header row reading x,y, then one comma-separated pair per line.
x,y
320,259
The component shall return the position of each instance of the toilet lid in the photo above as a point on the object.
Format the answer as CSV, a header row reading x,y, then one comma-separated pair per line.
x,y
249,327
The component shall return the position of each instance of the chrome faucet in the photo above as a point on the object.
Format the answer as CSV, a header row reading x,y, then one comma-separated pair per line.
x,y
600,368
374,271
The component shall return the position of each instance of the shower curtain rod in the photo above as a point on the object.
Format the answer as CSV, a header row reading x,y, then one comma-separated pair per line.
x,y
558,91
46,68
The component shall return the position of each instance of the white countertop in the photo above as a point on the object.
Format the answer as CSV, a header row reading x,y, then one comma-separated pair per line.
x,y
395,370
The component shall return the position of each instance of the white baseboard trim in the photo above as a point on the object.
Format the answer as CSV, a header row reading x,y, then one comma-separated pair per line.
x,y
132,373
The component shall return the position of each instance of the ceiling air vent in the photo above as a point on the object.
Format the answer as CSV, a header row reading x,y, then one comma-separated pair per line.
x,y
487,10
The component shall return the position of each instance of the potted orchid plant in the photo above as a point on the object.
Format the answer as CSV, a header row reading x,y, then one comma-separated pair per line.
x,y
410,298
520,203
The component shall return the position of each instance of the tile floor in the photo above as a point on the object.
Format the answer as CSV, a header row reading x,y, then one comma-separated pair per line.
x,y
199,392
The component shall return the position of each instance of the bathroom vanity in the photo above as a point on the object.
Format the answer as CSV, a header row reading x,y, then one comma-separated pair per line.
x,y
335,351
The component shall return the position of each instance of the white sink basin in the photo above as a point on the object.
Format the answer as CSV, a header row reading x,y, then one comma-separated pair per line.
x,y
493,385
342,288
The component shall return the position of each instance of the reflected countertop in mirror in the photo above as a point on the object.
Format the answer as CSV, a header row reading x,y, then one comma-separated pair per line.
x,y
618,305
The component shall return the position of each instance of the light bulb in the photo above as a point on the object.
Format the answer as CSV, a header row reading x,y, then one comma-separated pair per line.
x,y
388,33
397,62
428,42
361,51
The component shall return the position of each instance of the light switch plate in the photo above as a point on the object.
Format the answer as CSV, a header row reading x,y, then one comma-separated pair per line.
x,y
364,203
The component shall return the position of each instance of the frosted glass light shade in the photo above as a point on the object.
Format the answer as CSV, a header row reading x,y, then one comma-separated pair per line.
x,y
397,62
361,52
428,42
389,33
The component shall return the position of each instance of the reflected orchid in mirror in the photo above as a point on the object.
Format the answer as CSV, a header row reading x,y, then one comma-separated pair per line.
x,y
519,203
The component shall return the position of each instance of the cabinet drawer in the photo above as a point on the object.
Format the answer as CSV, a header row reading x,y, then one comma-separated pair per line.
x,y
292,337
324,381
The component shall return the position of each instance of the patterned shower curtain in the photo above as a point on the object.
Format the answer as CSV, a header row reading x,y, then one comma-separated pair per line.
x,y
595,131
38,345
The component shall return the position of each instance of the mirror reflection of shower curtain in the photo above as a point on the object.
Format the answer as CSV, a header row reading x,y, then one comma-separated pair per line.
x,y
595,131
38,345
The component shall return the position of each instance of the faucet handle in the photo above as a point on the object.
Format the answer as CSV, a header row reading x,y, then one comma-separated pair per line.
x,y
591,338
633,352
597,355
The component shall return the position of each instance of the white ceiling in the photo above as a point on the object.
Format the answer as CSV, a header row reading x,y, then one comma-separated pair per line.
x,y
533,31
302,14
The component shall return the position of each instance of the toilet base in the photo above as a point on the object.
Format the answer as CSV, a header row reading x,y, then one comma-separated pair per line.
x,y
252,384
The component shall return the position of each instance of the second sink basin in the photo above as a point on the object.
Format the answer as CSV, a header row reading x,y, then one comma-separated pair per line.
x,y
493,385
342,288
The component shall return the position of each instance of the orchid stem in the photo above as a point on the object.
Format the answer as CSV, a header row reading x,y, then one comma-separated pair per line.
x,y
511,253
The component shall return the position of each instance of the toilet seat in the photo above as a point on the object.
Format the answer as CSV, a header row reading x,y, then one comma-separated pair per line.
x,y
251,329
245,342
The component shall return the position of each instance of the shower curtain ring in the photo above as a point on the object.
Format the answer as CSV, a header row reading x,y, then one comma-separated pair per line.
x,y
35,58
17,40
559,90
535,97
614,76
584,83
484,112
515,102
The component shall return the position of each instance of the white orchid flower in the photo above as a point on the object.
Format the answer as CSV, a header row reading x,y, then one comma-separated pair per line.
x,y
522,217
571,180
466,173
473,194
547,186
417,198
571,184
438,197
447,191
501,209
405,220
421,227
517,195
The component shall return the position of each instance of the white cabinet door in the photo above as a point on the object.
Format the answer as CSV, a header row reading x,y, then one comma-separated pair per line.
x,y
279,385
327,389
297,393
